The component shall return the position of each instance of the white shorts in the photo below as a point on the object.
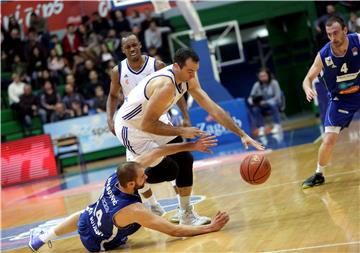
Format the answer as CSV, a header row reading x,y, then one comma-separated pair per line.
x,y
138,142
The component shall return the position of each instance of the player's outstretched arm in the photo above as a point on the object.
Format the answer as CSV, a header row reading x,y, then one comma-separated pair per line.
x,y
203,144
139,214
219,114
313,72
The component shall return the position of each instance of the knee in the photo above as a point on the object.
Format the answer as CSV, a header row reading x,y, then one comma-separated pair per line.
x,y
330,139
171,174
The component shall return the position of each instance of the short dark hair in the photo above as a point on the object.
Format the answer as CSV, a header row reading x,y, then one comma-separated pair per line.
x,y
126,35
182,54
334,19
126,172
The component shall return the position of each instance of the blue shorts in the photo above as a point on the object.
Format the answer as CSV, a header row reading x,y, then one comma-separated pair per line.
x,y
91,242
341,110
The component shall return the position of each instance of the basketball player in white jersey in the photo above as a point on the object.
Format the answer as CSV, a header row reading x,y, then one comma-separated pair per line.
x,y
124,78
140,125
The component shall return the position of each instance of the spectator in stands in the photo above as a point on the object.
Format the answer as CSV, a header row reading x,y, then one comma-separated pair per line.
x,y
70,79
153,37
37,63
12,45
136,19
320,23
32,41
106,55
89,88
82,74
111,41
73,100
45,76
56,64
148,19
13,24
265,96
120,23
28,109
15,90
100,99
19,66
56,45
100,25
61,113
38,23
71,42
354,23
48,100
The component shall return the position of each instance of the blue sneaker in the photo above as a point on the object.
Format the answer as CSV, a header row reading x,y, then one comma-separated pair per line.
x,y
35,242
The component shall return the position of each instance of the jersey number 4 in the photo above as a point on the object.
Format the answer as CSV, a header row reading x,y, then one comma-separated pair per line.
x,y
344,68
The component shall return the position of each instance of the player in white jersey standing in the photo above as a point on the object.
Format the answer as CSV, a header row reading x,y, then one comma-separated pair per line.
x,y
140,125
124,78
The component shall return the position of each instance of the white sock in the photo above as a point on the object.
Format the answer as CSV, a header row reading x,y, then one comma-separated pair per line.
x,y
320,169
48,235
173,183
152,200
184,202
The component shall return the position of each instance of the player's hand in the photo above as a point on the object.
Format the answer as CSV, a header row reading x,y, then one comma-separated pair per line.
x,y
219,221
310,93
191,132
247,140
111,126
204,143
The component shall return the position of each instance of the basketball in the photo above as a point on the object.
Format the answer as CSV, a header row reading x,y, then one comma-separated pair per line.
x,y
255,169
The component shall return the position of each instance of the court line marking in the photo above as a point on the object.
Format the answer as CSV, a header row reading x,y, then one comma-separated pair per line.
x,y
277,185
314,247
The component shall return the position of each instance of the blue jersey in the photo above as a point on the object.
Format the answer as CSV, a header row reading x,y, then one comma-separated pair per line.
x,y
96,225
341,74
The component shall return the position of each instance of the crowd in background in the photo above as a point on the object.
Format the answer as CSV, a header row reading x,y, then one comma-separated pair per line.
x,y
80,62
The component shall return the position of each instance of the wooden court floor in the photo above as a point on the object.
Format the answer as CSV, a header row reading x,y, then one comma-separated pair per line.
x,y
277,216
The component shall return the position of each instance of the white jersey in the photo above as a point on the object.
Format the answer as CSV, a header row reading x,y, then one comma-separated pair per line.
x,y
132,111
130,78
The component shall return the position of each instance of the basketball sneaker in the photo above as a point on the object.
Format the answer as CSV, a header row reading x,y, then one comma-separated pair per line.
x,y
176,217
157,209
316,179
190,217
35,242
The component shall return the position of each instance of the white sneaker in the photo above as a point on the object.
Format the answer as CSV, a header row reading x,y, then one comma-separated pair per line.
x,y
190,217
176,217
276,129
157,209
261,131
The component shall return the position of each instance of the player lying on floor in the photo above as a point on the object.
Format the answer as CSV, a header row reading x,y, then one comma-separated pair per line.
x,y
118,213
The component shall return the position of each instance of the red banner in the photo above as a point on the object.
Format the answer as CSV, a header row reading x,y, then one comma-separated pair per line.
x,y
27,159
58,13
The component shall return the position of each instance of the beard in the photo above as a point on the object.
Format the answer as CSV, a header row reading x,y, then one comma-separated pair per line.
x,y
139,186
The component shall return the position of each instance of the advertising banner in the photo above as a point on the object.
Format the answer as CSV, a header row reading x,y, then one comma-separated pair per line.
x,y
92,132
236,108
57,13
27,159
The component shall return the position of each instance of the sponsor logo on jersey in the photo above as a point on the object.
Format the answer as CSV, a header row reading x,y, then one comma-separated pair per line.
x,y
329,62
354,51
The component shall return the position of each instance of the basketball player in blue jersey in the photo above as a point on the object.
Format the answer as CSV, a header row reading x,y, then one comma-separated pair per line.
x,y
124,77
338,64
140,125
118,213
